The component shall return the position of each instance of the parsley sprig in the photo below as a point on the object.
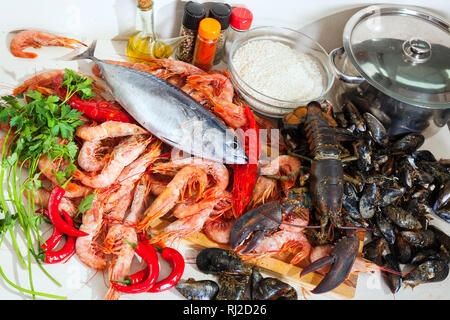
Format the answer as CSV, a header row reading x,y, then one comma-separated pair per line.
x,y
39,126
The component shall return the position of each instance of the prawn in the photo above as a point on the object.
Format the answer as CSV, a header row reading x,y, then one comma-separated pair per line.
x,y
86,248
215,84
183,228
284,164
218,171
184,178
73,190
109,129
87,157
37,39
123,154
123,253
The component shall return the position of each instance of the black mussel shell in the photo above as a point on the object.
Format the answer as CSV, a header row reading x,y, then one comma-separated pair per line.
x,y
217,260
233,286
273,289
192,289
428,271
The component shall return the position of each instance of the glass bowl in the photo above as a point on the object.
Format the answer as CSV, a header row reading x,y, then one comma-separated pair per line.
x,y
262,103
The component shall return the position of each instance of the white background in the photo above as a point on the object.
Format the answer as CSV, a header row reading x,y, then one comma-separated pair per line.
x,y
115,19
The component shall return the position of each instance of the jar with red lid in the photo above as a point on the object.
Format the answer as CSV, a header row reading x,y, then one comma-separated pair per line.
x,y
240,22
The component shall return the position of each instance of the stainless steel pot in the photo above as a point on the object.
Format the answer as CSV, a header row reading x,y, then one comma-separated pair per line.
x,y
399,63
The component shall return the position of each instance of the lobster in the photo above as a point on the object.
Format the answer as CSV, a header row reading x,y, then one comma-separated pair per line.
x,y
326,186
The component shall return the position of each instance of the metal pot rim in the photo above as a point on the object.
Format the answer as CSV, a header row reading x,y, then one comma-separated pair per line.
x,y
394,9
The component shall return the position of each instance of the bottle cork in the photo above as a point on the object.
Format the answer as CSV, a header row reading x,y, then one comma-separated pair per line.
x,y
145,5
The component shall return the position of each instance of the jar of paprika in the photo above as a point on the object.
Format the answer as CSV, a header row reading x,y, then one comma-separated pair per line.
x,y
206,43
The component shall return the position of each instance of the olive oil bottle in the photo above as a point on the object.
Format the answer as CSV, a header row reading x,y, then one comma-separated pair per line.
x,y
145,44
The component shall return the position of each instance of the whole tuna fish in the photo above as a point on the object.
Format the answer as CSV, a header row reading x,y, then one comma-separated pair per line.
x,y
169,113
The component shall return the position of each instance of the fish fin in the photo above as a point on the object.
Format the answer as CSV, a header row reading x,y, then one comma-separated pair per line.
x,y
88,54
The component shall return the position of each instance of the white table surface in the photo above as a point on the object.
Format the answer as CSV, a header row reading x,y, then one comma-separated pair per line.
x,y
79,282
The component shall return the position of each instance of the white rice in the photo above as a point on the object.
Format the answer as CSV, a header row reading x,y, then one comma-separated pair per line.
x,y
278,71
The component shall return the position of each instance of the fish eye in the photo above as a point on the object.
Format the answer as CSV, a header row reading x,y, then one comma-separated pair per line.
x,y
234,144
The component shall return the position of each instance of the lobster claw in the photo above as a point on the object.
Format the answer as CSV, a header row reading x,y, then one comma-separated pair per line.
x,y
342,258
255,224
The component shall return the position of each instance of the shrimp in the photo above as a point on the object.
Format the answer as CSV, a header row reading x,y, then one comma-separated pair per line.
x,y
287,165
120,265
44,79
109,129
232,114
37,39
215,84
186,177
183,228
136,211
177,67
131,174
219,230
87,157
123,154
264,190
289,237
86,248
73,190
123,253
217,170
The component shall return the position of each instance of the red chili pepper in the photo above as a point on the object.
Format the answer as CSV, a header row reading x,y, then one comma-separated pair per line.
x,y
96,110
244,177
66,252
55,217
56,236
149,255
177,262
136,278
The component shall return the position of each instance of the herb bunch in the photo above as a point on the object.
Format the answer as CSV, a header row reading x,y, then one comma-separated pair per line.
x,y
39,126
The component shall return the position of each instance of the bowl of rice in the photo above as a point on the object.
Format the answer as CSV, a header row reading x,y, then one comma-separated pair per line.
x,y
276,70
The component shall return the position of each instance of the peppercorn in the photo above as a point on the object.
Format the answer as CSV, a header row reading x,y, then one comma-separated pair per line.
x,y
193,14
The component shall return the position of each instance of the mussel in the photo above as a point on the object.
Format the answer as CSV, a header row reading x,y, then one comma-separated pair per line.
x,y
273,289
217,260
428,271
233,286
192,289
402,218
420,238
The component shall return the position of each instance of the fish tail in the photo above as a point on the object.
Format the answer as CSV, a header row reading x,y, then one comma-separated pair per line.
x,y
88,54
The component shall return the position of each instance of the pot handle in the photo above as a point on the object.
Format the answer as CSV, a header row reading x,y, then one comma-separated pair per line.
x,y
342,76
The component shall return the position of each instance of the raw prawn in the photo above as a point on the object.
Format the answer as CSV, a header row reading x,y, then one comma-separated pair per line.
x,y
217,170
44,79
109,129
184,178
123,154
86,248
216,84
286,165
183,228
73,190
37,39
87,156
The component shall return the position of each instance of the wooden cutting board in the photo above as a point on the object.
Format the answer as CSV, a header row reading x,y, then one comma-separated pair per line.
x,y
277,266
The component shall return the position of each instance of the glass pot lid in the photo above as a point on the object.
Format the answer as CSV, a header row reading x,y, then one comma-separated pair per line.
x,y
403,52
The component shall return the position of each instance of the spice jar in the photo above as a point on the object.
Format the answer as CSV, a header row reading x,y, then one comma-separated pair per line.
x,y
222,13
193,13
240,22
205,45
